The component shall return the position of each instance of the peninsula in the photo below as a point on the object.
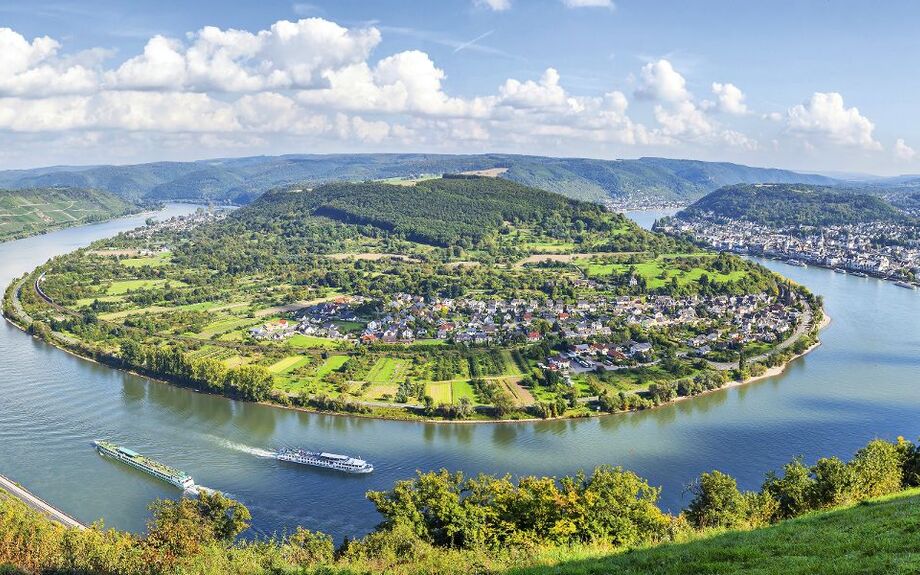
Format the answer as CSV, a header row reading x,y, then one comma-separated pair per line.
x,y
452,298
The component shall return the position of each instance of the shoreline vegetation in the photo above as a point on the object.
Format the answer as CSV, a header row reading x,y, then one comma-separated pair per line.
x,y
12,312
412,303
860,514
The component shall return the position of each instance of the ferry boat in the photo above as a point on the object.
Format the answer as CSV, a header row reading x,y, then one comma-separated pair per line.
x,y
905,285
323,459
840,270
129,457
796,263
858,274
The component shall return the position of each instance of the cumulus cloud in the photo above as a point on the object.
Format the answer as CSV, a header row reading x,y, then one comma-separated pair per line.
x,y
316,81
588,3
902,151
33,68
287,55
496,5
729,98
825,115
660,81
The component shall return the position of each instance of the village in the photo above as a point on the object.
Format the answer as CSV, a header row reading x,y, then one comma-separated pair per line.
x,y
881,249
593,328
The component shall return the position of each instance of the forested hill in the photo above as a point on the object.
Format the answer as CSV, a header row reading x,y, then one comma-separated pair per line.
x,y
36,210
444,211
240,180
783,205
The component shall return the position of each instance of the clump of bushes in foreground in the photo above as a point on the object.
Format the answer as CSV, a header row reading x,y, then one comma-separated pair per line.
x,y
443,522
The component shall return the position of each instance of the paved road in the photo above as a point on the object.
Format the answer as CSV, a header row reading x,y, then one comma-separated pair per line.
x,y
800,330
39,505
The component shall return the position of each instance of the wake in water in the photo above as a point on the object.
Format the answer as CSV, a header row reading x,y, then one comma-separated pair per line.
x,y
258,452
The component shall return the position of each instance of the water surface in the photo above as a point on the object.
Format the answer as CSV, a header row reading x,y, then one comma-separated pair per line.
x,y
860,384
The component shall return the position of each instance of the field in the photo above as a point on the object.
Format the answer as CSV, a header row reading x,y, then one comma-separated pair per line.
x,y
879,536
289,364
310,342
124,286
657,272
386,370
158,260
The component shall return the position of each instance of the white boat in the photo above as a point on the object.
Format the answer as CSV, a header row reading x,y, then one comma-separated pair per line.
x,y
334,461
127,456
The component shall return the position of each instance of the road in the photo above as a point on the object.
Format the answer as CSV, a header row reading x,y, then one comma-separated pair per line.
x,y
800,330
39,505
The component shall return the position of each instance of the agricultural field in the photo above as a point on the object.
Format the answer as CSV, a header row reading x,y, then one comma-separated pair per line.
x,y
32,211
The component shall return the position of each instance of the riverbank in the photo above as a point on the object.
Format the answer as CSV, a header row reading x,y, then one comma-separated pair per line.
x,y
590,407
13,489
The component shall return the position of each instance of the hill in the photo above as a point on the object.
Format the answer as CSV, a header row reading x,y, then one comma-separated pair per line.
x,y
37,210
878,536
240,180
442,299
786,205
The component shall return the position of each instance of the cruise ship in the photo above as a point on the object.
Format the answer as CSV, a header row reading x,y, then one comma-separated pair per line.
x,y
905,285
323,459
796,263
136,460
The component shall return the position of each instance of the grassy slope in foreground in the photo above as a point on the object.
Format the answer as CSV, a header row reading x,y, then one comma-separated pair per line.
x,y
28,212
879,536
782,205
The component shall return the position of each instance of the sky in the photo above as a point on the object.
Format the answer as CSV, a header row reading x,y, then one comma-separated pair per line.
x,y
802,84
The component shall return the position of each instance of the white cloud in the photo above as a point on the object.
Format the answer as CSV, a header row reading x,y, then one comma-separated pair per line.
x,y
730,99
287,55
33,68
902,151
496,5
660,81
825,115
588,3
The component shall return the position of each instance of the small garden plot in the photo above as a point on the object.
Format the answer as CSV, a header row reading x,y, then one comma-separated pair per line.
x,y
152,261
440,392
311,342
224,326
382,392
386,370
289,364
461,389
124,286
332,364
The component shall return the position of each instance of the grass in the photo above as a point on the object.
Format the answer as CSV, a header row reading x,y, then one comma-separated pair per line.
x,y
124,286
310,341
289,364
333,363
385,370
440,392
461,389
153,261
881,536
657,272
225,325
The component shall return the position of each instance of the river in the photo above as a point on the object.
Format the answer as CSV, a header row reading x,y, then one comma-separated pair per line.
x,y
863,382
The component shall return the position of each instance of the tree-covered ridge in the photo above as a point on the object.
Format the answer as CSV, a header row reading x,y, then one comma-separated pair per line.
x,y
789,205
444,212
36,210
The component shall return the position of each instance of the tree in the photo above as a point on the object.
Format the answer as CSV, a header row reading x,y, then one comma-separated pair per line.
x,y
716,502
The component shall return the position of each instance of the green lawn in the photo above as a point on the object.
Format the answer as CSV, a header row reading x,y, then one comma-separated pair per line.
x,y
440,391
461,389
289,364
311,342
225,325
385,370
333,363
881,536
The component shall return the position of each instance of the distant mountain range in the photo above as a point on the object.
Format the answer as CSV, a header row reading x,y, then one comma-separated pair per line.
x,y
240,180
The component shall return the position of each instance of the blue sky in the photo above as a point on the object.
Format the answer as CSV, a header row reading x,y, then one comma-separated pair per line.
x,y
808,85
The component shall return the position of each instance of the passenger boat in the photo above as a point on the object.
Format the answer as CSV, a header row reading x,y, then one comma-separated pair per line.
x,y
334,461
149,466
